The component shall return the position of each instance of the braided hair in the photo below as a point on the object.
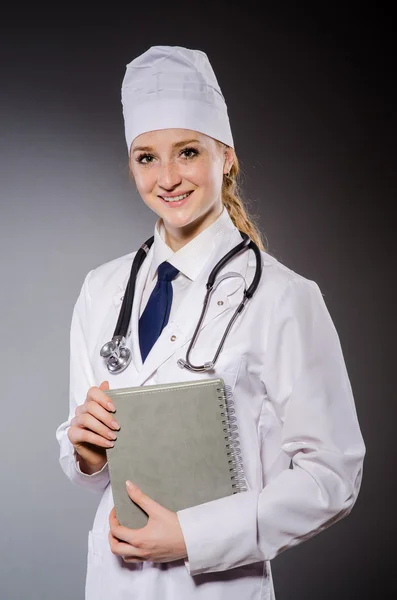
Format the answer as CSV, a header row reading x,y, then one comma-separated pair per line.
x,y
234,204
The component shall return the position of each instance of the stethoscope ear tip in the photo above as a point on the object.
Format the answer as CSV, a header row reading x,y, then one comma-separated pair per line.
x,y
183,364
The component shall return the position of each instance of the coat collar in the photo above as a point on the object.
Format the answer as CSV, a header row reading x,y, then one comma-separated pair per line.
x,y
191,258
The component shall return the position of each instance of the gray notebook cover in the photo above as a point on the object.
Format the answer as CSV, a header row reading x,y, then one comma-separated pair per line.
x,y
173,444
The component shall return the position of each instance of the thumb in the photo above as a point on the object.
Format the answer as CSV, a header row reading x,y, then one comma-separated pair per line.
x,y
147,504
104,386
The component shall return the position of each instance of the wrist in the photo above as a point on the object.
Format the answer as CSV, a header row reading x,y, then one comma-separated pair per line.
x,y
89,467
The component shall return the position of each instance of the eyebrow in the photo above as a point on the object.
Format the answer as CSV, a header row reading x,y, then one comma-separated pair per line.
x,y
176,145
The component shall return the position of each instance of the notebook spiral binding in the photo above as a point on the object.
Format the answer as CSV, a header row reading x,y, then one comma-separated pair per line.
x,y
232,438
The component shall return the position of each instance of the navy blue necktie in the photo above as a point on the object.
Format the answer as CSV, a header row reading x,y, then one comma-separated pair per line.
x,y
157,311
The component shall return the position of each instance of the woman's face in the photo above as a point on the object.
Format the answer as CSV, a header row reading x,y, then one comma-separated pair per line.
x,y
179,174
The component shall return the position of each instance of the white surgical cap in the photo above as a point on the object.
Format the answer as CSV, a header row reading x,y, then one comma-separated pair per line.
x,y
173,87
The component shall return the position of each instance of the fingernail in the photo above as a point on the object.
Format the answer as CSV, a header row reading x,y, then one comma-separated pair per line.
x,y
130,485
112,435
109,444
115,425
111,406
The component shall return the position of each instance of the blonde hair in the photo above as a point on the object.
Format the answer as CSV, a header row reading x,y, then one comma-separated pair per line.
x,y
234,205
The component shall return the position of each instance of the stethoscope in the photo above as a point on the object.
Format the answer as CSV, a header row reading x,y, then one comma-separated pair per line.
x,y
118,356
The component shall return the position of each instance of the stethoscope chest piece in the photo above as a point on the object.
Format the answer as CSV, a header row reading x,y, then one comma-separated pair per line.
x,y
117,354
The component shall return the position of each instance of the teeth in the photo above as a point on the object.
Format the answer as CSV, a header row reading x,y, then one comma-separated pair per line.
x,y
176,198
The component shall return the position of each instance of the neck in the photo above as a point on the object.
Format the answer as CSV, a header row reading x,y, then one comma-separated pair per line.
x,y
177,237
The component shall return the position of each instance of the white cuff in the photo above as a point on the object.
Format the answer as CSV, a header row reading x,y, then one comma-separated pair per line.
x,y
77,467
222,534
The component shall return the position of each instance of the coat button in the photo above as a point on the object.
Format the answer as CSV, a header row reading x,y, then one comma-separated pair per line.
x,y
220,302
173,338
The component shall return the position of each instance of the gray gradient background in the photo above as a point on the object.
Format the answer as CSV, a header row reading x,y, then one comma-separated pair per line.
x,y
311,101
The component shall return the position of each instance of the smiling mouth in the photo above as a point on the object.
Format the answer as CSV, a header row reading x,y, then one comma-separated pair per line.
x,y
176,198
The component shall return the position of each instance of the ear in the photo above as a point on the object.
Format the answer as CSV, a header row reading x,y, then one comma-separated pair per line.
x,y
229,160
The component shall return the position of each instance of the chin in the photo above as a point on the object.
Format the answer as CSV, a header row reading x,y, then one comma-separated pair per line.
x,y
178,222
179,217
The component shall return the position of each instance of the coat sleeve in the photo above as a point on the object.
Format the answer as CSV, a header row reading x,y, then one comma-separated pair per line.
x,y
81,379
306,381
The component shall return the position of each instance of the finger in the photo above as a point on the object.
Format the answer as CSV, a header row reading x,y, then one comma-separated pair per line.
x,y
79,435
130,559
87,421
124,534
119,531
113,521
126,550
104,386
97,394
96,410
150,506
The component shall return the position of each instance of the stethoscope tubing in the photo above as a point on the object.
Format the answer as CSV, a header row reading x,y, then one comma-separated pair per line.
x,y
248,293
126,308
119,356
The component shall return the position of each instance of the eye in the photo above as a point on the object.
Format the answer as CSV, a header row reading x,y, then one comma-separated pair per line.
x,y
189,153
145,159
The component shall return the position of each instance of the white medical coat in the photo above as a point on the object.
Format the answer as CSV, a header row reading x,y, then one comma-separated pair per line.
x,y
293,401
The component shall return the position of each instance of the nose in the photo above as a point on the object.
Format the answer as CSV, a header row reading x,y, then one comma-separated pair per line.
x,y
169,176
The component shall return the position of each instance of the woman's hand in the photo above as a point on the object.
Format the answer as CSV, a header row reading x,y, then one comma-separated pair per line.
x,y
161,540
93,428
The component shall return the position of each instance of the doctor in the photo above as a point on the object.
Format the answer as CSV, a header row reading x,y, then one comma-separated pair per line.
x,y
282,360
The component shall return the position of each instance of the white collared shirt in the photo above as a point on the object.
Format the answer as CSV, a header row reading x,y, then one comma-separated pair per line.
x,y
189,259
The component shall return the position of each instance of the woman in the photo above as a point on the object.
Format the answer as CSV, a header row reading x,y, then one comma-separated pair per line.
x,y
282,359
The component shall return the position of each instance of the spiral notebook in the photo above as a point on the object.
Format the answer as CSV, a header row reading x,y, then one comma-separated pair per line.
x,y
178,442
